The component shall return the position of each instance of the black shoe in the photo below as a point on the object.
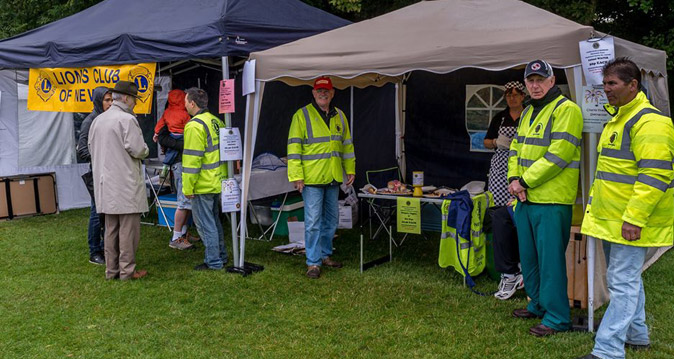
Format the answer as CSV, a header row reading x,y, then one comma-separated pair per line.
x,y
637,346
204,266
524,314
589,356
97,258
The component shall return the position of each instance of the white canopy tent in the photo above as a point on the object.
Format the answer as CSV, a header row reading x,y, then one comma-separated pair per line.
x,y
440,37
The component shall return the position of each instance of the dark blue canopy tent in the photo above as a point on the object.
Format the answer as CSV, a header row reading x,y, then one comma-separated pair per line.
x,y
132,31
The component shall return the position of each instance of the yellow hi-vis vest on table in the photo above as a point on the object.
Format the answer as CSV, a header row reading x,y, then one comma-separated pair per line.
x,y
546,152
318,154
202,170
633,182
471,253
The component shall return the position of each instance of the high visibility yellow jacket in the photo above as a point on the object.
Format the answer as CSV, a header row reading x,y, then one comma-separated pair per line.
x,y
318,154
546,152
471,252
202,170
633,182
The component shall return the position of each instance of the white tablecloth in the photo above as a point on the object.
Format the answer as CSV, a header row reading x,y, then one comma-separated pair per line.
x,y
265,183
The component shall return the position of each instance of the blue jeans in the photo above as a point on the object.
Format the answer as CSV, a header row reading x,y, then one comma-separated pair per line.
x,y
625,317
206,214
183,202
321,213
94,236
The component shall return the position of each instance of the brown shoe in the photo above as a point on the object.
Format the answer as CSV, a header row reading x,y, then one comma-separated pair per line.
x,y
137,275
327,261
524,314
542,331
192,238
314,272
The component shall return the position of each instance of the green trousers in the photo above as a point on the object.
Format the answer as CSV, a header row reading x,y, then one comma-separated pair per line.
x,y
543,232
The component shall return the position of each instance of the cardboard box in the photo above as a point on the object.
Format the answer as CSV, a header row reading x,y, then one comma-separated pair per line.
x,y
28,195
576,269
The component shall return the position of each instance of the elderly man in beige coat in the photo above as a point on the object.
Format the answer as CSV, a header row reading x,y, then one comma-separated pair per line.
x,y
117,147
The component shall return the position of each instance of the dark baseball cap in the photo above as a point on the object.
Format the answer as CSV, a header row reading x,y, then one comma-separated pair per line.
x,y
538,67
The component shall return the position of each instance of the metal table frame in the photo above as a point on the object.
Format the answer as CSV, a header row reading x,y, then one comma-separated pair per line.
x,y
368,199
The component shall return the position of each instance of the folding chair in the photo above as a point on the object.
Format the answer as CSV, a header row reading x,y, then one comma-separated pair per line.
x,y
384,210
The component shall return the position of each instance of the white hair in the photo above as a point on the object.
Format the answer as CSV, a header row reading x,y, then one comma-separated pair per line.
x,y
116,96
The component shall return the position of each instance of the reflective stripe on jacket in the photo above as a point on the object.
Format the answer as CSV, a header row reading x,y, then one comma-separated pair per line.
x,y
471,253
202,170
633,182
318,154
545,153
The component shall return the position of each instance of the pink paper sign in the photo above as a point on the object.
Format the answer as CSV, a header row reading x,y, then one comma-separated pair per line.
x,y
227,96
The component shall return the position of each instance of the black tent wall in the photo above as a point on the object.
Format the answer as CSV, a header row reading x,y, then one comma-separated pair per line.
x,y
436,139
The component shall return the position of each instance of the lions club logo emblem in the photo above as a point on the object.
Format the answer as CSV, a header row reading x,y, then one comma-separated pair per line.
x,y
43,86
142,77
538,128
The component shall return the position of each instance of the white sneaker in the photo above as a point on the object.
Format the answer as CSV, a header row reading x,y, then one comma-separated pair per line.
x,y
508,286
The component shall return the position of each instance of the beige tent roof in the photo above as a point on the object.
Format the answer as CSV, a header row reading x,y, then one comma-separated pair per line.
x,y
438,36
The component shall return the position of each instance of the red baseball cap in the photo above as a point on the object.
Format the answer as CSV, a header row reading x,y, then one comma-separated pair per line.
x,y
323,82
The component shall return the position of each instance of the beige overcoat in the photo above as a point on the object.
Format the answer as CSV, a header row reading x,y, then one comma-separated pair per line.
x,y
117,147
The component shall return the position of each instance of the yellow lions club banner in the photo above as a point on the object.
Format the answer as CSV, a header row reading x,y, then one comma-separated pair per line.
x,y
71,89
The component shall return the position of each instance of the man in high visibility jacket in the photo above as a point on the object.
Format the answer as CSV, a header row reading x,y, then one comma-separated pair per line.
x,y
543,170
631,204
320,151
202,176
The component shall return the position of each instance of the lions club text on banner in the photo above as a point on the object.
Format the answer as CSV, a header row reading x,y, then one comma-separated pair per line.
x,y
71,89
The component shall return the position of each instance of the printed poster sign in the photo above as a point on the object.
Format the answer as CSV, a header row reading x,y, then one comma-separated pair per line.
x,y
230,144
594,54
409,215
230,196
594,115
226,99
72,89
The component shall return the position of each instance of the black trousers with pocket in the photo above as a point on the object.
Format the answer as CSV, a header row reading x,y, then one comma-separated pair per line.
x,y
506,249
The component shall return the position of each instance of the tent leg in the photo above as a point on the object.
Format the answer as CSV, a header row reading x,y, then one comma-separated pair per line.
x,y
230,167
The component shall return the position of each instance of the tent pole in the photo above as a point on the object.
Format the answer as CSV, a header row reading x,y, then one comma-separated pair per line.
x,y
592,165
230,165
351,115
249,149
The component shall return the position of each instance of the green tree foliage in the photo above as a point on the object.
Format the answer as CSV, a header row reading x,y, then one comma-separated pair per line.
x,y
17,16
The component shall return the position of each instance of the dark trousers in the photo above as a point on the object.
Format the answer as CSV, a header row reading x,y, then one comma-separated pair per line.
x,y
506,248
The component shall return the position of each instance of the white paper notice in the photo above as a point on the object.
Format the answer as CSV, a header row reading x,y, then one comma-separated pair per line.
x,y
230,144
248,77
594,54
230,196
594,115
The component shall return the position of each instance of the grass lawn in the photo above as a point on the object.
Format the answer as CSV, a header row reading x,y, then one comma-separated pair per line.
x,y
54,304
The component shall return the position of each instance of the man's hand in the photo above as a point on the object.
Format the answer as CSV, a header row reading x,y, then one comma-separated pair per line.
x,y
631,232
190,196
299,185
350,179
155,138
516,189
